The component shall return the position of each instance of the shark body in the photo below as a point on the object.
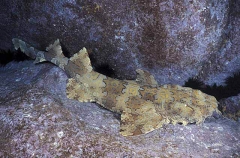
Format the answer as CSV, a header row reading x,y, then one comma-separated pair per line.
x,y
143,104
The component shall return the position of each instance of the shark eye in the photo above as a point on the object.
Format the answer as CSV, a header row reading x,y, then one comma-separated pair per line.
x,y
182,101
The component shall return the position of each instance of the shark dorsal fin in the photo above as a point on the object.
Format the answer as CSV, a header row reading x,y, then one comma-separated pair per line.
x,y
56,48
55,55
82,60
145,78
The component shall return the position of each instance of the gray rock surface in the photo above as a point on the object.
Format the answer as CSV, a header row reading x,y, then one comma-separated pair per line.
x,y
231,107
37,120
174,40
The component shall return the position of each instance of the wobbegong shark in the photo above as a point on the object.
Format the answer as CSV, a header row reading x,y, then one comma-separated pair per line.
x,y
143,104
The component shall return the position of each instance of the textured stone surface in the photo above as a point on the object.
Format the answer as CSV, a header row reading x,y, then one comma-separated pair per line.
x,y
174,40
231,107
37,120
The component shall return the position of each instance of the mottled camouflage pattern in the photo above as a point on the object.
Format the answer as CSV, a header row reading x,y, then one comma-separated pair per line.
x,y
143,104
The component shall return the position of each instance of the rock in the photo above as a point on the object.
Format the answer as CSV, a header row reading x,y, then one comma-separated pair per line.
x,y
231,107
174,40
38,120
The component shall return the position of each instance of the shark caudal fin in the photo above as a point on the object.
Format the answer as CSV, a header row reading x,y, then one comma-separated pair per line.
x,y
54,52
28,50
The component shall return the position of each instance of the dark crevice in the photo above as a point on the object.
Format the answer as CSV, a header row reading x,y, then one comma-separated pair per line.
x,y
231,88
66,52
105,70
8,56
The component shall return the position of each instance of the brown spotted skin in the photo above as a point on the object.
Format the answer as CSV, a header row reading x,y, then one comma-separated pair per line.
x,y
143,104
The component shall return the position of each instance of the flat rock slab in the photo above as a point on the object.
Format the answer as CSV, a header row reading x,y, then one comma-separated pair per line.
x,y
38,120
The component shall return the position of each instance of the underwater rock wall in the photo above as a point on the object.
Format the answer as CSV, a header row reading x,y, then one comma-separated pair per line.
x,y
174,40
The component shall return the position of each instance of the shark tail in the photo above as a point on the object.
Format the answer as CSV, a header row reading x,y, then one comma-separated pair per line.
x,y
27,49
84,84
52,54
79,63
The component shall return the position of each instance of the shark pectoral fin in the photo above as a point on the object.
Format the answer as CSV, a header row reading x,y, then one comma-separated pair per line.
x,y
140,118
145,78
